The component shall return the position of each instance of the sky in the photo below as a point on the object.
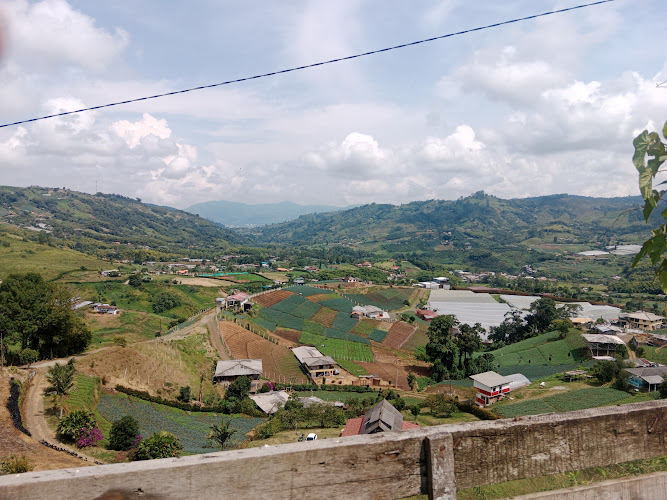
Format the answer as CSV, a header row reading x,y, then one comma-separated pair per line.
x,y
544,106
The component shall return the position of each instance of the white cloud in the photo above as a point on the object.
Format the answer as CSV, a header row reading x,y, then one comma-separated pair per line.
x,y
132,133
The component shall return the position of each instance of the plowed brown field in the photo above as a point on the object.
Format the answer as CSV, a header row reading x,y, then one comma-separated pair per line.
x,y
399,334
272,298
324,316
278,362
291,336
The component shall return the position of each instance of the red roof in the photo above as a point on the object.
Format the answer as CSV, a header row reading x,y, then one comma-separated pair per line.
x,y
353,426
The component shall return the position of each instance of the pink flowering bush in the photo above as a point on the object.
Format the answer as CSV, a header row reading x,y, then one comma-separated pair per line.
x,y
88,437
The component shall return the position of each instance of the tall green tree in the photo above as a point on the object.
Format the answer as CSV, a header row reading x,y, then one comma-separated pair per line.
x,y
38,315
468,340
441,345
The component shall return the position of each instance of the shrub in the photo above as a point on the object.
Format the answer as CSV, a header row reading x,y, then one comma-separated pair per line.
x,y
71,427
89,437
161,444
28,356
120,341
15,464
163,301
662,388
185,394
123,433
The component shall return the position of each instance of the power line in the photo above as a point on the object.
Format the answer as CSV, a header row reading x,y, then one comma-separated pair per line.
x,y
307,66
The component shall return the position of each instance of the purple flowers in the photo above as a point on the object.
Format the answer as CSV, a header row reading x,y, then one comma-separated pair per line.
x,y
88,437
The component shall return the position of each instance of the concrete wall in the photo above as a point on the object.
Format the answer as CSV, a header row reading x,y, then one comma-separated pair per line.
x,y
437,460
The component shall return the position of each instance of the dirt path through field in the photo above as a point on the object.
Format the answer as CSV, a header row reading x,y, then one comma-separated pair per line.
x,y
33,415
215,338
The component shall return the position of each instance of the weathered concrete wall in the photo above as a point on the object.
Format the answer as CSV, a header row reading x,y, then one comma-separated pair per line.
x,y
648,487
536,446
437,460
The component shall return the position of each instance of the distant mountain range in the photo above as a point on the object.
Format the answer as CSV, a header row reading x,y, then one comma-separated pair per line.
x,y
478,220
234,214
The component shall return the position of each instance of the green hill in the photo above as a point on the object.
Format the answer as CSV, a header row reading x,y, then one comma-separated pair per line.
x,y
475,220
88,222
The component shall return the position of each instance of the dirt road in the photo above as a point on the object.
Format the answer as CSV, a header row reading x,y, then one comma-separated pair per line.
x,y
33,416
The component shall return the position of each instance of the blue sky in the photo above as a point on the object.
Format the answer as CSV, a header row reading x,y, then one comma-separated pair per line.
x,y
540,107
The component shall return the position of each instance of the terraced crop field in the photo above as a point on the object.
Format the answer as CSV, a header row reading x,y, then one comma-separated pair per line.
x,y
325,316
579,399
399,333
191,428
276,359
389,299
272,298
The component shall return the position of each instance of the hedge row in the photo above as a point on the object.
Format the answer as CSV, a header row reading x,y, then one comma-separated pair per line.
x,y
330,388
170,402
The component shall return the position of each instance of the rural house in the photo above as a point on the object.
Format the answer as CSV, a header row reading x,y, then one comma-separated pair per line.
x,y
602,345
315,363
270,402
238,302
105,309
372,312
642,320
491,386
426,314
382,417
228,371
648,377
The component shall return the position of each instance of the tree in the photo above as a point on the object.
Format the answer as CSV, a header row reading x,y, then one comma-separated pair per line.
x,y
185,394
61,378
441,345
161,444
164,301
134,281
238,389
221,434
542,313
662,389
123,433
605,371
468,340
415,410
650,153
512,329
412,381
38,315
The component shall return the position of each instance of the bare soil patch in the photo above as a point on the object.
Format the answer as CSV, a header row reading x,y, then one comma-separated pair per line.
x,y
291,336
399,333
272,298
319,297
210,282
278,362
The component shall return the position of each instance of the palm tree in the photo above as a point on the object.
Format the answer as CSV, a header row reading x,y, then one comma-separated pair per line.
x,y
221,434
61,378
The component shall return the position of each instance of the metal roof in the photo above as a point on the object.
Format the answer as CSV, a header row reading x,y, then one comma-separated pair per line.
x,y
270,402
310,356
599,338
382,417
238,368
490,379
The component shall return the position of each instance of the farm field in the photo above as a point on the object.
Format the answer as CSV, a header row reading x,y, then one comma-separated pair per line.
x,y
546,349
339,349
307,291
272,298
579,399
191,428
399,333
277,360
134,326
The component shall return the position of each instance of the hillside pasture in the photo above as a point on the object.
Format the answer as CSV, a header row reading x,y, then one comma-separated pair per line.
x,y
546,349
277,360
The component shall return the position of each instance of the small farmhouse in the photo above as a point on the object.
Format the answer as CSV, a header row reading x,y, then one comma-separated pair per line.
x,y
382,417
426,314
105,309
238,302
491,386
372,312
228,371
270,402
315,363
648,377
